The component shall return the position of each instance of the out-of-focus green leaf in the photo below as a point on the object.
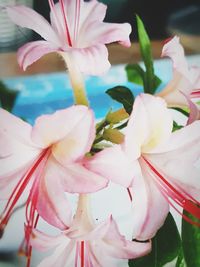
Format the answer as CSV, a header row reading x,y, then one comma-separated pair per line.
x,y
151,80
7,97
135,74
123,95
180,260
165,246
191,241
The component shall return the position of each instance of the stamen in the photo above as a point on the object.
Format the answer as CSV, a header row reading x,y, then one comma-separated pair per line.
x,y
66,24
77,19
82,254
18,190
180,198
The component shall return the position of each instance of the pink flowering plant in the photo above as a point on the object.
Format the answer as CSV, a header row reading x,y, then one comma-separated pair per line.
x,y
139,148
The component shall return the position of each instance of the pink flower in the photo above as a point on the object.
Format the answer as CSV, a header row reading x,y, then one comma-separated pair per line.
x,y
160,167
86,244
185,84
77,32
46,160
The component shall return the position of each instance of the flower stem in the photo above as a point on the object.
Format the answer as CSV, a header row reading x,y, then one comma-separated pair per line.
x,y
77,81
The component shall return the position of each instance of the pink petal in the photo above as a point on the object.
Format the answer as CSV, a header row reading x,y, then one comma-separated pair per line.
x,y
62,255
17,149
113,247
179,160
105,33
150,125
91,60
184,80
113,164
77,142
150,208
28,18
42,241
75,178
174,50
31,52
49,129
194,112
53,205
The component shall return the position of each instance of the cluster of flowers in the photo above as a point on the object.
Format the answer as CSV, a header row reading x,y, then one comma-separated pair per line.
x,y
157,166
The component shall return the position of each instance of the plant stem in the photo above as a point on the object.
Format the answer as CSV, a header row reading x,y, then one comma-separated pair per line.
x,y
77,81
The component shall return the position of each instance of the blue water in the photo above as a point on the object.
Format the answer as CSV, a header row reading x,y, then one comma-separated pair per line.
x,y
43,94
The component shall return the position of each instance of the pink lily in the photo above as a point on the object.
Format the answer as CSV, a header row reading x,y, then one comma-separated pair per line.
x,y
47,160
77,32
159,167
185,84
85,244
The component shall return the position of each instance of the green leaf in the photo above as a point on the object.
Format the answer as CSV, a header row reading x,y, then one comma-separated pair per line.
x,y
180,260
176,126
135,74
123,95
7,97
165,246
191,241
151,80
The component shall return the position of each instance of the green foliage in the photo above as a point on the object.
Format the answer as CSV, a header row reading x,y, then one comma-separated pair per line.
x,y
191,242
165,246
122,95
135,73
7,97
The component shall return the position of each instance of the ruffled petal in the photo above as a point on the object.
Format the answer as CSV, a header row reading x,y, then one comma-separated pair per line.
x,y
150,125
32,51
113,164
28,18
184,80
53,205
150,208
49,129
113,247
77,142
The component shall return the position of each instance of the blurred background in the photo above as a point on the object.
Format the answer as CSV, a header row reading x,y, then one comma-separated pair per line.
x,y
162,18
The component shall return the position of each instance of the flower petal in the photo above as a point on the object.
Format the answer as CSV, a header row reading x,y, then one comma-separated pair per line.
x,y
105,33
75,178
77,142
113,164
180,159
49,129
53,205
32,51
91,60
28,18
42,241
150,208
150,125
17,148
113,247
